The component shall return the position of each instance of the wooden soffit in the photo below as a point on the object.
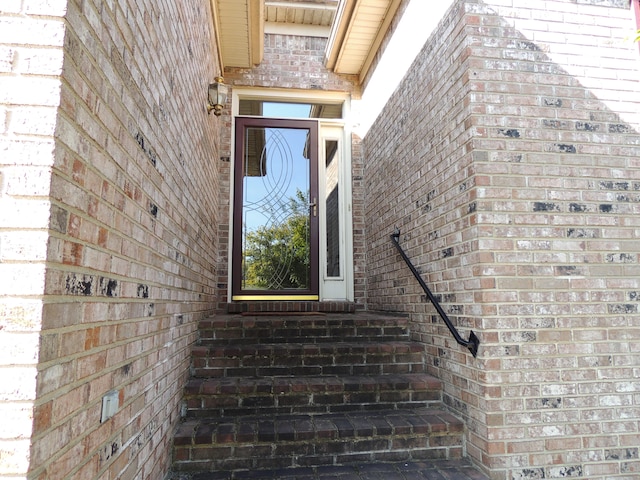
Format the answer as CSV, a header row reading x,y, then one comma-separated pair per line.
x,y
357,33
300,17
239,26
355,29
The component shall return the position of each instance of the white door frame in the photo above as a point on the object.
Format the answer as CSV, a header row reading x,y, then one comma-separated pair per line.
x,y
331,288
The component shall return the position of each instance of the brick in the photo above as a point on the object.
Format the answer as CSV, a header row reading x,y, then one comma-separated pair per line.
x,y
22,121
576,122
564,126
33,87
18,245
19,31
19,349
32,91
53,8
15,456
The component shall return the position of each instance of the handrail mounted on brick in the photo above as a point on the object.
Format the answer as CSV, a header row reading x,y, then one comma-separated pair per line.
x,y
474,342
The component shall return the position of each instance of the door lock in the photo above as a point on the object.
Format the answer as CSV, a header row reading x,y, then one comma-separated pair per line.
x,y
314,205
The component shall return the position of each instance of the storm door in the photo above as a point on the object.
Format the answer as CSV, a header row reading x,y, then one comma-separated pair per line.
x,y
275,228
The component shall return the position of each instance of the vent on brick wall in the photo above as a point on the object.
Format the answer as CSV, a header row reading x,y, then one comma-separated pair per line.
x,y
474,342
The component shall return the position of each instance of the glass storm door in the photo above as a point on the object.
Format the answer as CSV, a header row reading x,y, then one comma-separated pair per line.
x,y
275,228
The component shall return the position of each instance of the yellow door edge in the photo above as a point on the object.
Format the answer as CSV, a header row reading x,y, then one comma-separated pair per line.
x,y
275,297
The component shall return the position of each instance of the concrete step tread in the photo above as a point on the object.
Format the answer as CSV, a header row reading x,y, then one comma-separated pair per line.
x,y
259,429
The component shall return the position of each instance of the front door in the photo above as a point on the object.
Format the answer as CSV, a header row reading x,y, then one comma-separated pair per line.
x,y
275,228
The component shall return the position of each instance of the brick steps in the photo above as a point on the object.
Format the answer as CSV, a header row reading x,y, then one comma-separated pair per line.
x,y
223,397
284,392
344,358
256,329
290,307
412,470
283,441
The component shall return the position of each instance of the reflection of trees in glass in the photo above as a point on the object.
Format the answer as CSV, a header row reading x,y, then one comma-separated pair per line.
x,y
277,256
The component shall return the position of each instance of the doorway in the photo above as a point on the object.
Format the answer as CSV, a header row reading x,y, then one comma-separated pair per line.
x,y
275,227
291,232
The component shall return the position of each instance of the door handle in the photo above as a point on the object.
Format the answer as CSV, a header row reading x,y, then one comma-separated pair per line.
x,y
314,205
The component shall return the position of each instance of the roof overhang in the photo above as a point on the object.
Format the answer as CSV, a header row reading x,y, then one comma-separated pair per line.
x,y
239,26
357,33
300,17
355,29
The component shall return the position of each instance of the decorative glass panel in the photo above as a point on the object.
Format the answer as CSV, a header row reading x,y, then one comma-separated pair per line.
x,y
276,209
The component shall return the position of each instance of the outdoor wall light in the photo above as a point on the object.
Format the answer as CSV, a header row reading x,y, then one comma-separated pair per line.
x,y
217,96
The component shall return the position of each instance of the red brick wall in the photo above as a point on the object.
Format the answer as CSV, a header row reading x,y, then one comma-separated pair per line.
x,y
114,198
508,159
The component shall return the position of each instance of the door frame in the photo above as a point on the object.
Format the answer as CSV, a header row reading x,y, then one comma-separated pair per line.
x,y
313,292
327,287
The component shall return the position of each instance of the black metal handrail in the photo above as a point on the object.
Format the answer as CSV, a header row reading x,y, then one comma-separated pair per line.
x,y
474,342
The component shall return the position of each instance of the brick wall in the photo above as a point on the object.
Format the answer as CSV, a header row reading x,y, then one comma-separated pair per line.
x,y
508,159
31,39
128,190
290,62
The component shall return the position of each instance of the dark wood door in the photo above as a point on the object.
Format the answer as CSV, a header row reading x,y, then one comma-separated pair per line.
x,y
275,221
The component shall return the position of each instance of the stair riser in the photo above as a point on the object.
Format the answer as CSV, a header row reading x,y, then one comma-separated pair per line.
x,y
289,330
262,455
229,405
218,396
309,370
254,308
331,353
283,361
239,338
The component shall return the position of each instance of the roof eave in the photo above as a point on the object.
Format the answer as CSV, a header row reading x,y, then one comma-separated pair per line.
x,y
346,52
